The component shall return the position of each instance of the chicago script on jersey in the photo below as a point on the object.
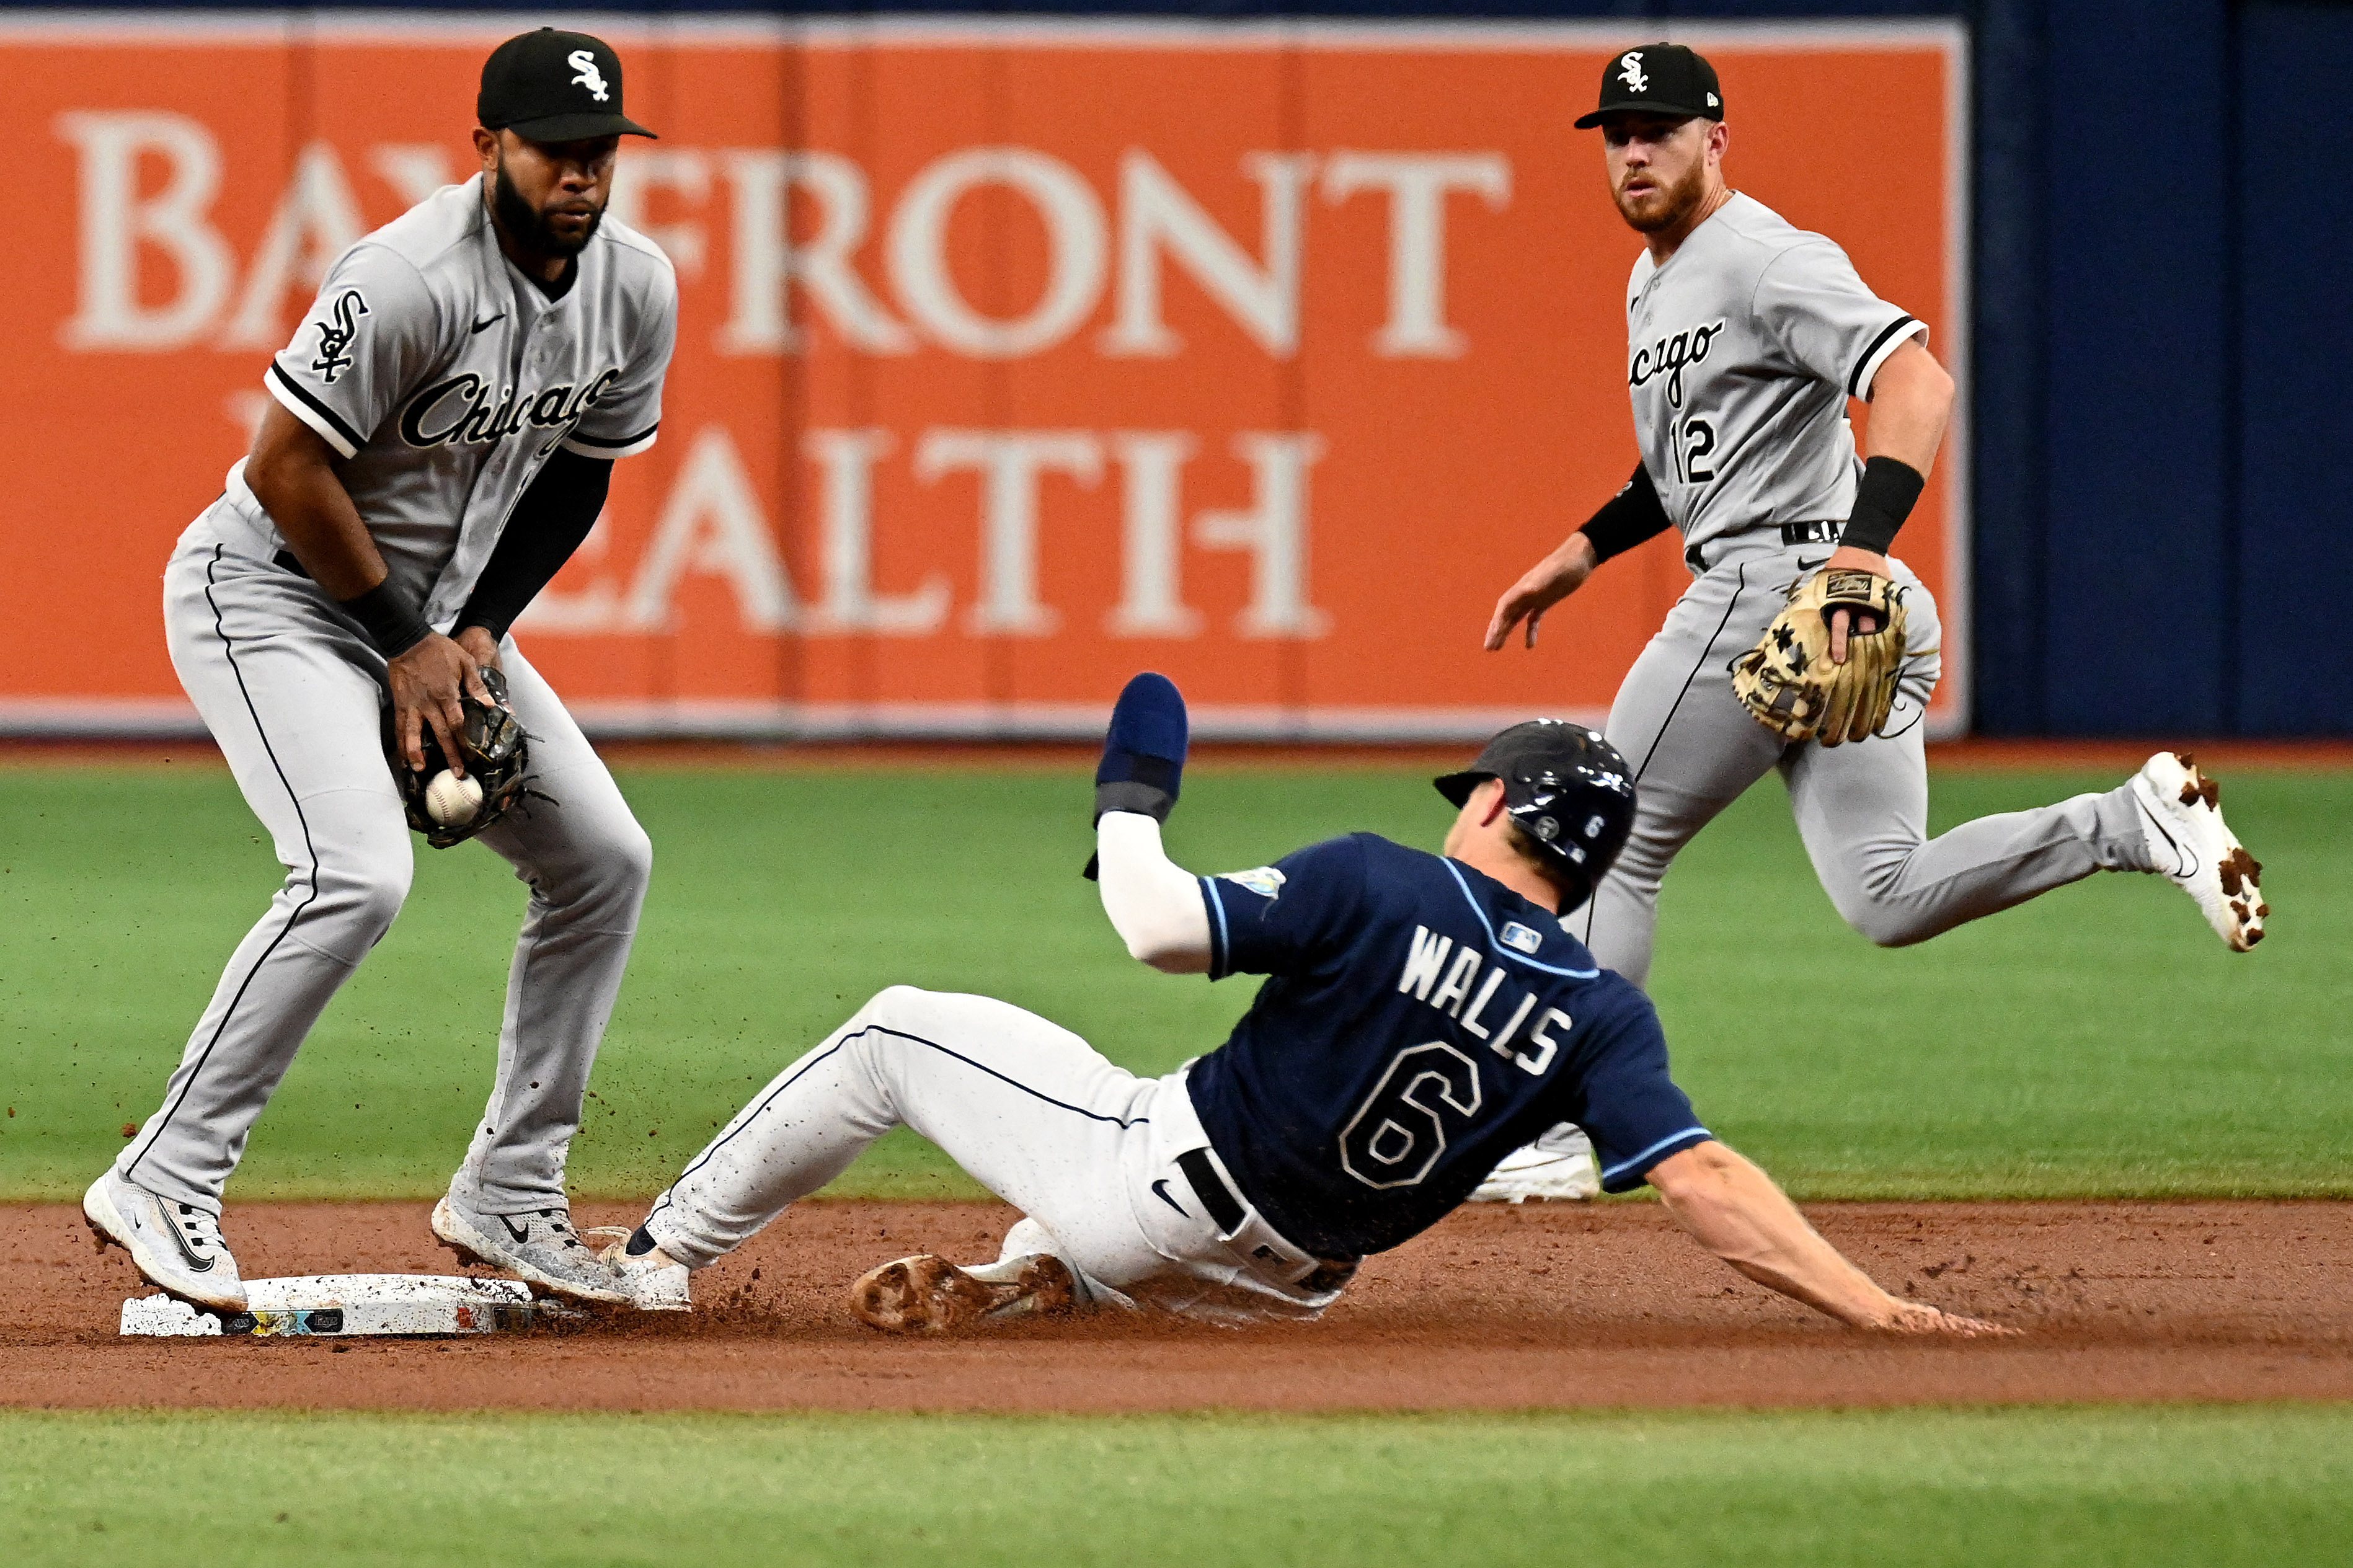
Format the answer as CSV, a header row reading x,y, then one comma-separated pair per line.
x,y
461,410
1668,357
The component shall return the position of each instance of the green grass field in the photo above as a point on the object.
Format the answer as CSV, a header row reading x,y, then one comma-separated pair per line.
x,y
2097,1041
2129,1487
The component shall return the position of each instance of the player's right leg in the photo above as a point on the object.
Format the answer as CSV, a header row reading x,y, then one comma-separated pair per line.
x,y
285,686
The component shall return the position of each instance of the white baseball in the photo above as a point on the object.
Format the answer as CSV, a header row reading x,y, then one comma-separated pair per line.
x,y
450,799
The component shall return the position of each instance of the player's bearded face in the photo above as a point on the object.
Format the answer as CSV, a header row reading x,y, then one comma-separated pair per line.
x,y
1657,176
551,204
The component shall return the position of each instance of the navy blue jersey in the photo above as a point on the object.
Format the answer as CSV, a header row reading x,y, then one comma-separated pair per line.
x,y
1421,1022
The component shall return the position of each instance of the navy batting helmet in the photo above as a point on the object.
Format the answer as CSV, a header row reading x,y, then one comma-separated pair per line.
x,y
1567,787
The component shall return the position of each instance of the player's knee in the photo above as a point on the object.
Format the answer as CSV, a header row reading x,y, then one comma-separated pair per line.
x,y
1885,922
901,1004
629,860
362,888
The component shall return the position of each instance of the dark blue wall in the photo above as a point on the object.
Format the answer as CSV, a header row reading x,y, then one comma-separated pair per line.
x,y
2163,225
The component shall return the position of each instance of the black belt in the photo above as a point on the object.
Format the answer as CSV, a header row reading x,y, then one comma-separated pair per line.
x,y
285,558
1227,1212
1819,530
1217,1197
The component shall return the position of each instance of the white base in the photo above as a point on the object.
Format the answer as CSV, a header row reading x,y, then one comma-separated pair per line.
x,y
347,1306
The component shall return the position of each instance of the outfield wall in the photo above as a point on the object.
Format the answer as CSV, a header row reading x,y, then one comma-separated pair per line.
x,y
2154,333
1015,355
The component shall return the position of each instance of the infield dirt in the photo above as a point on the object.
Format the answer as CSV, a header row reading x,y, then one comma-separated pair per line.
x,y
1497,1307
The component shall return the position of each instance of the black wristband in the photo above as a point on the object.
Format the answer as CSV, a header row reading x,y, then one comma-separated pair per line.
x,y
1883,499
390,622
1629,518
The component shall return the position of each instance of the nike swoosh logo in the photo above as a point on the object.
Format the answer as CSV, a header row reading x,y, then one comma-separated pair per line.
x,y
520,1233
1160,1191
486,321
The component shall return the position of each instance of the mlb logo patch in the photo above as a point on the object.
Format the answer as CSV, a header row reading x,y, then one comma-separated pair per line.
x,y
1520,939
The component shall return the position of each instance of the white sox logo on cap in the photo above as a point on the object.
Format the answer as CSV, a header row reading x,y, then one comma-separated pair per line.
x,y
1631,72
582,62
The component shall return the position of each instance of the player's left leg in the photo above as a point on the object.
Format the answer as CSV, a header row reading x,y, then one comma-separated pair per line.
x,y
1862,810
587,864
1032,1112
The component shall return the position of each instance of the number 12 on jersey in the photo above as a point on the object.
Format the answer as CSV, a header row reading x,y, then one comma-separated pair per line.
x,y
1694,451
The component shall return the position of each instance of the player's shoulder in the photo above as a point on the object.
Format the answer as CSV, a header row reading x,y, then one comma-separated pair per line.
x,y
634,263
445,223
1749,237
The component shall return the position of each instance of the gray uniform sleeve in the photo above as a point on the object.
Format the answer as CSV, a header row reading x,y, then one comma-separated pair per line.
x,y
1812,304
625,416
367,338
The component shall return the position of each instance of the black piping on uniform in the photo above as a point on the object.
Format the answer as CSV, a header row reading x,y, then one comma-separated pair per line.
x,y
645,434
228,651
746,1119
1901,323
320,409
1739,587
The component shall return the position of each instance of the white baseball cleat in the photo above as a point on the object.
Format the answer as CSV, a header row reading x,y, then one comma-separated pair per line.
x,y
1559,1165
653,1280
929,1295
176,1247
2181,817
540,1245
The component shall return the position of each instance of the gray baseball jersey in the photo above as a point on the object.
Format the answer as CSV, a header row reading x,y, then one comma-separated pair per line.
x,y
1741,353
447,378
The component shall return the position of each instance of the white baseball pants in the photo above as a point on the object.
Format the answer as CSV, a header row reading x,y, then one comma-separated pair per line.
x,y
294,694
1084,1148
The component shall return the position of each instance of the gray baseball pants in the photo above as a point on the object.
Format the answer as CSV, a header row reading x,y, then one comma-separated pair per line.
x,y
294,694
1862,807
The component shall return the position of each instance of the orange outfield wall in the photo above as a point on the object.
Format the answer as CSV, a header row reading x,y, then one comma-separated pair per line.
x,y
1012,359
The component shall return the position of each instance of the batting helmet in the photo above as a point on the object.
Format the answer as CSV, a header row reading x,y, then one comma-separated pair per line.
x,y
1567,787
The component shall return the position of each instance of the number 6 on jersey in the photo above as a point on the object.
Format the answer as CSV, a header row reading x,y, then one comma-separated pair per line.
x,y
1397,1134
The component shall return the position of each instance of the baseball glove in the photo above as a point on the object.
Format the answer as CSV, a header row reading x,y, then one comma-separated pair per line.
x,y
1788,682
497,755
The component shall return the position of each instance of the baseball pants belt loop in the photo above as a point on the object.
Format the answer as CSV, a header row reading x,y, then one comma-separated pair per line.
x,y
1258,1244
1821,531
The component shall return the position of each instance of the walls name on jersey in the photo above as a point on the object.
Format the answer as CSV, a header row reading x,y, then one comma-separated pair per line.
x,y
461,410
1444,975
1668,356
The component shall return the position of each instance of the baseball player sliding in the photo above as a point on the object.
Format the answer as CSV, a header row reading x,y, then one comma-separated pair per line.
x,y
1746,338
445,425
1424,1014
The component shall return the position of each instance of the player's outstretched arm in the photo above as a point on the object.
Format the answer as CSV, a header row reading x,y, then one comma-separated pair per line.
x,y
1735,1211
1154,905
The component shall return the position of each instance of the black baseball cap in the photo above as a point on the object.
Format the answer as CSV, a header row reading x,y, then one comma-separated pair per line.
x,y
1658,79
554,87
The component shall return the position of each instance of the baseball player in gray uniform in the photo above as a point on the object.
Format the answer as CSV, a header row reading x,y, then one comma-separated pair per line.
x,y
1747,336
444,429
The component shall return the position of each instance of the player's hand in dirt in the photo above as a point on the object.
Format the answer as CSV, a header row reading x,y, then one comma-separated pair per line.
x,y
1919,1317
425,681
1544,584
1849,558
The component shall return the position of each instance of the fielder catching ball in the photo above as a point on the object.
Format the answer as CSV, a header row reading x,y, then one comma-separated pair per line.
x,y
444,429
1802,645
1424,1014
